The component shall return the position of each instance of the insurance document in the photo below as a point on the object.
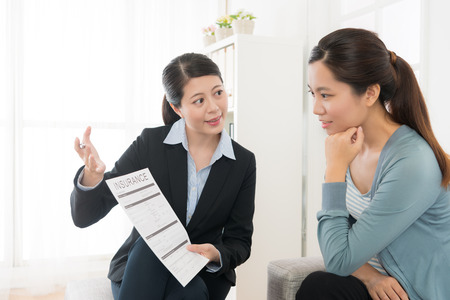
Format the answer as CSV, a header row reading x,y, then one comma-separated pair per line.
x,y
157,223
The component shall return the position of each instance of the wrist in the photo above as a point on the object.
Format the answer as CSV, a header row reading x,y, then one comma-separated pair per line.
x,y
90,179
216,257
366,273
335,173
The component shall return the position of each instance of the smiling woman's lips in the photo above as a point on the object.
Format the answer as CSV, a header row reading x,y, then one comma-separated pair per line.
x,y
214,121
326,124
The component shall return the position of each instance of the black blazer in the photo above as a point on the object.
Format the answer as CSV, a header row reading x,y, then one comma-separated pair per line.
x,y
224,213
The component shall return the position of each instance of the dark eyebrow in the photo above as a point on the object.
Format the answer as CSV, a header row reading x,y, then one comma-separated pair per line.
x,y
195,95
320,89
198,94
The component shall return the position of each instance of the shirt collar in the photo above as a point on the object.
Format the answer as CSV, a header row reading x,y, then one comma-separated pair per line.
x,y
177,135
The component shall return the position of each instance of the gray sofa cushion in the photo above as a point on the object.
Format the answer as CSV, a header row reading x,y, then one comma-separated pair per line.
x,y
286,275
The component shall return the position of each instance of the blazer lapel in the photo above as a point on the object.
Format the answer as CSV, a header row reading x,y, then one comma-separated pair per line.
x,y
177,163
213,186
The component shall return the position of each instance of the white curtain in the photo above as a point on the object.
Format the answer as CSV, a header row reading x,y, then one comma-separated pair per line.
x,y
66,64
6,140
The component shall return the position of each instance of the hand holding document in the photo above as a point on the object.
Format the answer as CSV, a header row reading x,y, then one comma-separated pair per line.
x,y
157,223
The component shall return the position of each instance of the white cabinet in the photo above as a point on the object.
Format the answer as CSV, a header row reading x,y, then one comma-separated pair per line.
x,y
264,77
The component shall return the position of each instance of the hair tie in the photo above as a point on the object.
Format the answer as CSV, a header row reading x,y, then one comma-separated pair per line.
x,y
393,57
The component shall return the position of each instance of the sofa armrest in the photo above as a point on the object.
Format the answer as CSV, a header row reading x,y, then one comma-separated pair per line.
x,y
286,275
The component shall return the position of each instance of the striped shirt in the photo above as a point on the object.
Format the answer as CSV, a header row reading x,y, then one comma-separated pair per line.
x,y
356,204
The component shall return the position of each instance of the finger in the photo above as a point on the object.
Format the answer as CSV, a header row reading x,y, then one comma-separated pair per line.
x,y
85,153
195,248
79,150
392,295
383,296
374,296
400,292
100,168
76,145
359,136
87,135
92,163
351,131
382,293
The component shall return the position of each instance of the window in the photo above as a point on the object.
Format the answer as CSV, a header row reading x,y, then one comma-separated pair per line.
x,y
4,186
398,24
66,64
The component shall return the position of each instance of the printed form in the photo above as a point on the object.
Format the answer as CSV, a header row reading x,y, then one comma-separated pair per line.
x,y
157,223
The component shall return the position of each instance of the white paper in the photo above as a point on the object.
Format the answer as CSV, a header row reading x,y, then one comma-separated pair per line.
x,y
157,223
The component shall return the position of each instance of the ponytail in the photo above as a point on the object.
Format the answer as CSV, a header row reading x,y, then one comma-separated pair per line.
x,y
168,114
359,58
408,106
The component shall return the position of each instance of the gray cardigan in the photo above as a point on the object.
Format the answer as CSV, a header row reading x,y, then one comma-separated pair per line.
x,y
407,222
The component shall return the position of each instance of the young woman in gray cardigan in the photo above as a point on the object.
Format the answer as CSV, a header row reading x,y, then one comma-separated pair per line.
x,y
384,227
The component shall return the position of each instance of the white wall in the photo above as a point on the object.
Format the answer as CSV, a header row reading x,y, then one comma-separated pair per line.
x,y
281,18
437,81
320,23
277,219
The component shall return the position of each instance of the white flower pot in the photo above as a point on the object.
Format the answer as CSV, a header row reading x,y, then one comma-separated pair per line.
x,y
208,40
243,26
222,33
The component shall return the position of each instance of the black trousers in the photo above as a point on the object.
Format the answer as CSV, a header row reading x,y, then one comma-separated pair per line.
x,y
327,286
146,278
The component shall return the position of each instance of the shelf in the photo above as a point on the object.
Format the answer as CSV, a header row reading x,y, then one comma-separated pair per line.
x,y
237,38
265,78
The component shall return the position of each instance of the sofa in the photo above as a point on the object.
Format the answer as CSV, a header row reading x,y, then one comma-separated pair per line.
x,y
283,280
285,276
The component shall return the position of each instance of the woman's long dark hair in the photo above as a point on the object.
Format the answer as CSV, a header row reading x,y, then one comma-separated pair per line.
x,y
176,75
359,58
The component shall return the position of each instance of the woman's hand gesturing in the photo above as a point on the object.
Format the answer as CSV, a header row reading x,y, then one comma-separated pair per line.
x,y
94,166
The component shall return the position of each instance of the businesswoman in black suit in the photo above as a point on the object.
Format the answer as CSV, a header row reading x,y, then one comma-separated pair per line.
x,y
208,179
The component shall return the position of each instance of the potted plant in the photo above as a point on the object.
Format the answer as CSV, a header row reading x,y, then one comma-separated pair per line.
x,y
208,35
243,22
224,29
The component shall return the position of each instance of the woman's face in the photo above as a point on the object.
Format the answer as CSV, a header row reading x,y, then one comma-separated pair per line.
x,y
204,105
335,102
